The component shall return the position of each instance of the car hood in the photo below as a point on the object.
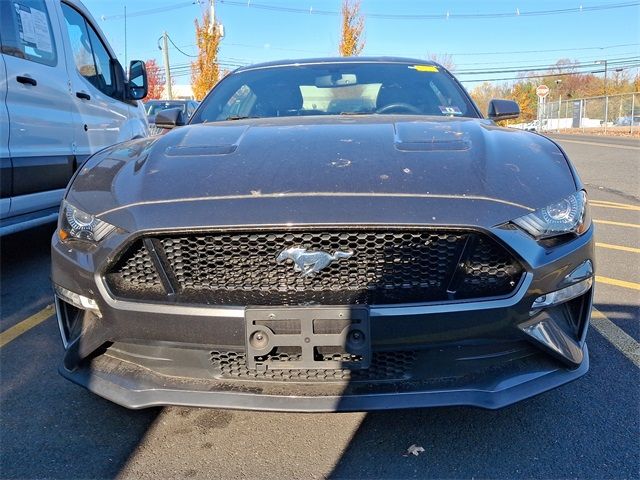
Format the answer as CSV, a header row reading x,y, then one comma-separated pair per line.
x,y
365,169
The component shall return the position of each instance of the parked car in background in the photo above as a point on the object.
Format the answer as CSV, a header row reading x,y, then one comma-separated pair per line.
x,y
152,107
277,254
628,121
63,97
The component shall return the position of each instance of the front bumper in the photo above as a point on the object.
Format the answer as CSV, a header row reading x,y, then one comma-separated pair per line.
x,y
469,353
124,380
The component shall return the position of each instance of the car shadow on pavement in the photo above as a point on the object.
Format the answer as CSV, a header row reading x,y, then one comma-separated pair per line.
x,y
25,266
51,428
586,429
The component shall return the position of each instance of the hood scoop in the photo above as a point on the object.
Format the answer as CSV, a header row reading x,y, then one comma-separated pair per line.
x,y
196,151
200,140
429,137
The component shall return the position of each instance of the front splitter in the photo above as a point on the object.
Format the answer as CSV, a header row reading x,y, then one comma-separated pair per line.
x,y
143,391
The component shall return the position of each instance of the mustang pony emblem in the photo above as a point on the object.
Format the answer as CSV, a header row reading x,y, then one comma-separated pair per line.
x,y
309,263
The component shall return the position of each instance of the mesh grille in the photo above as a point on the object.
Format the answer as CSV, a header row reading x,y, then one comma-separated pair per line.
x,y
136,275
387,267
384,366
488,269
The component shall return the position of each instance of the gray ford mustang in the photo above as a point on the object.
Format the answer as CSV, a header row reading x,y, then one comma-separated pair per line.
x,y
326,235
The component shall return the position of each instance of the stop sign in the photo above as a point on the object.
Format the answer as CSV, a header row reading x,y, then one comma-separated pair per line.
x,y
542,91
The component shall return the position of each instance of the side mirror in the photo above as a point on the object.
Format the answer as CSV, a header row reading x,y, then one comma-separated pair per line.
x,y
503,109
170,118
138,85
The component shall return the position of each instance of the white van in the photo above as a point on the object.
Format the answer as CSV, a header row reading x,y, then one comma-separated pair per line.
x,y
63,96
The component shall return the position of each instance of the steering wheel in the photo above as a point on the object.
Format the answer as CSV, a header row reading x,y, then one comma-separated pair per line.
x,y
399,106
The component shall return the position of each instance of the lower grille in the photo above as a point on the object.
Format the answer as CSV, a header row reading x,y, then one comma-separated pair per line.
x,y
387,266
384,366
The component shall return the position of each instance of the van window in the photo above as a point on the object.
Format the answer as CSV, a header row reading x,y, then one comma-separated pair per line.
x,y
26,31
89,53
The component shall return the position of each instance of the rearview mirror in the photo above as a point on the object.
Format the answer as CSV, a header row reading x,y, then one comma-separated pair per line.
x,y
137,86
170,118
336,80
503,109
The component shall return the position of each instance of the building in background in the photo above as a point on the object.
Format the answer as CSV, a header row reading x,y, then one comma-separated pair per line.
x,y
179,92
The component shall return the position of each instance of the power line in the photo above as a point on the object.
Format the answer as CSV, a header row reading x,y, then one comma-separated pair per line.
x,y
438,16
178,48
545,61
152,11
540,68
502,52
528,77
579,67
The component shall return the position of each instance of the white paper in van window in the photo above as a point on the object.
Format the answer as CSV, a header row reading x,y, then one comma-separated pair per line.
x,y
41,30
28,32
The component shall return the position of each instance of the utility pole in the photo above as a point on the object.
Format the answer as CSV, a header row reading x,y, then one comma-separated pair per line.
x,y
126,60
167,71
212,17
606,99
558,82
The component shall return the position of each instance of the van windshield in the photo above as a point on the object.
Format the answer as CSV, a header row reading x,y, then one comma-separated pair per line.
x,y
353,88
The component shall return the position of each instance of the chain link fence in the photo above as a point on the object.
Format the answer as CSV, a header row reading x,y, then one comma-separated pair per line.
x,y
608,114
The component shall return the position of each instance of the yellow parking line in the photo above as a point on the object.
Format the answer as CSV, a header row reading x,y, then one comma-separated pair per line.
x,y
616,336
618,247
617,207
617,224
615,203
25,325
618,283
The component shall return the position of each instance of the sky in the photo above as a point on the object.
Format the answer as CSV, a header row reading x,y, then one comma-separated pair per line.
x,y
499,42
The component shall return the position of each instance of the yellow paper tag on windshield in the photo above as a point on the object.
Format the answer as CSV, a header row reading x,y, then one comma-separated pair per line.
x,y
425,68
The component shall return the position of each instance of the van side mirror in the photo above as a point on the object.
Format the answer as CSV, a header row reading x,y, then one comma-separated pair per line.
x,y
137,86
170,118
503,109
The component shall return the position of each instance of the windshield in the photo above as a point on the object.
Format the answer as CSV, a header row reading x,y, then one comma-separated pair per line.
x,y
336,89
155,107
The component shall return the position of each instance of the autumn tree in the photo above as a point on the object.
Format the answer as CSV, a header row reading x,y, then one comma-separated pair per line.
x,y
524,94
485,92
205,71
155,80
352,41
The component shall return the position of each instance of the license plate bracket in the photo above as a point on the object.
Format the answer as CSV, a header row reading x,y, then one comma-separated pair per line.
x,y
307,337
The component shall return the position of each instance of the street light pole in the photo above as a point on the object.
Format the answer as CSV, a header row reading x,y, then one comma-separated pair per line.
x,y
558,82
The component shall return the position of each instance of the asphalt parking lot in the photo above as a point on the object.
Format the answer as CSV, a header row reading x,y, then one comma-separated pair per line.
x,y
587,429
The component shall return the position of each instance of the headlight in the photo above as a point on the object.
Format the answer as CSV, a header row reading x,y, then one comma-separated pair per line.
x,y
74,223
569,215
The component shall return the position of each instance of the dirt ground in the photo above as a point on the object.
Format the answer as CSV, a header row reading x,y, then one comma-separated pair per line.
x,y
632,132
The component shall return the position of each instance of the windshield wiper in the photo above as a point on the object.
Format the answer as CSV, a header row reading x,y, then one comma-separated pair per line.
x,y
357,113
240,117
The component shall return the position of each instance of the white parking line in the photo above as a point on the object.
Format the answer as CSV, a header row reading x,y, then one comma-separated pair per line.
x,y
616,336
